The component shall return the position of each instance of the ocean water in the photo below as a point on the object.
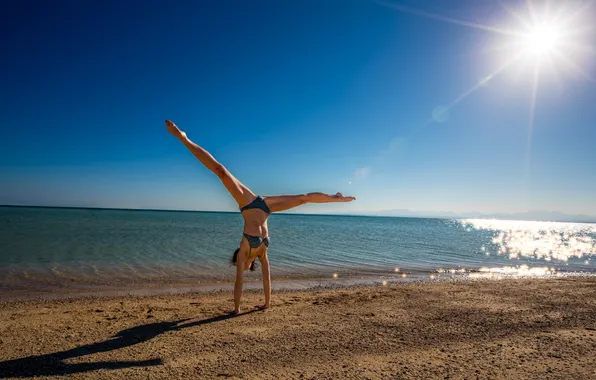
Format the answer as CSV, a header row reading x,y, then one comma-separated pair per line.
x,y
45,247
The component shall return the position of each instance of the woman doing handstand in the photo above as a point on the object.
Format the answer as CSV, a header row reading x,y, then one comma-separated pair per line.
x,y
255,211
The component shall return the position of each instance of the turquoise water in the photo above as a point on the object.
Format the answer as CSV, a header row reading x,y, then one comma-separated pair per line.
x,y
46,246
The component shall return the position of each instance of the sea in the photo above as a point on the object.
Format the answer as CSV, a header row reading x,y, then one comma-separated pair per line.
x,y
64,251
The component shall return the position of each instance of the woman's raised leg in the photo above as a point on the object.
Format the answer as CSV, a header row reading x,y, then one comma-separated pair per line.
x,y
285,202
241,193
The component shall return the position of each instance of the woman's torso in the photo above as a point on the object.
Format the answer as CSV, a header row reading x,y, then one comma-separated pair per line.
x,y
255,215
255,224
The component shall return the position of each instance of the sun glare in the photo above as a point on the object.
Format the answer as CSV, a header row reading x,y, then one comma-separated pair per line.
x,y
547,36
537,40
543,39
551,34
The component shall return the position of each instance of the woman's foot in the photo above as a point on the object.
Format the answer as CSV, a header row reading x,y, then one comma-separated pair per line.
x,y
340,198
173,129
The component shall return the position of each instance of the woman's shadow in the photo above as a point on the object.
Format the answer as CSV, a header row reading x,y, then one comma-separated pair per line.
x,y
53,364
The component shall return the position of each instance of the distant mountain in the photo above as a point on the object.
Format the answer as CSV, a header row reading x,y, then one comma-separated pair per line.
x,y
553,216
548,216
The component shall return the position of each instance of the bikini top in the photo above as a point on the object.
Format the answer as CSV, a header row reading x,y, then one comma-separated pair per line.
x,y
259,203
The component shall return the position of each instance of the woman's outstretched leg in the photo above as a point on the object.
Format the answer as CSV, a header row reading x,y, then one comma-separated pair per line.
x,y
286,202
241,193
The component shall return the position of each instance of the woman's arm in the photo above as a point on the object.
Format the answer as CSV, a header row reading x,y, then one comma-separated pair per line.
x,y
239,280
265,270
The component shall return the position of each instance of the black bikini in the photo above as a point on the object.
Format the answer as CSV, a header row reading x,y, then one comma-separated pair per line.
x,y
259,203
256,241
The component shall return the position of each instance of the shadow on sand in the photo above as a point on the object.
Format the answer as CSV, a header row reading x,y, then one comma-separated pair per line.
x,y
53,364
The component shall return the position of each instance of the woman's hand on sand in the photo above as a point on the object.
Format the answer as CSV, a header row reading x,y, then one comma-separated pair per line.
x,y
173,129
340,198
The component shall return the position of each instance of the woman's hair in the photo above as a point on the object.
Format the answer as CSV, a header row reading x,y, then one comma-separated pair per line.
x,y
253,265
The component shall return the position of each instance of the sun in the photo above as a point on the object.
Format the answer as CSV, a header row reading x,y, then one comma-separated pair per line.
x,y
543,39
555,33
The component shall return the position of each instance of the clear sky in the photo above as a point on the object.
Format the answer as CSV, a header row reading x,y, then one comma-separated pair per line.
x,y
364,97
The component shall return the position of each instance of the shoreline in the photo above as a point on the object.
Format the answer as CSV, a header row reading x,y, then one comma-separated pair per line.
x,y
163,286
486,328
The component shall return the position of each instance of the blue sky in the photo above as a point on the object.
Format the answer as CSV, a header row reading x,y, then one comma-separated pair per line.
x,y
292,96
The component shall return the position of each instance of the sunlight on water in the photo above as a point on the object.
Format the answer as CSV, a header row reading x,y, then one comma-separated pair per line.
x,y
539,240
522,270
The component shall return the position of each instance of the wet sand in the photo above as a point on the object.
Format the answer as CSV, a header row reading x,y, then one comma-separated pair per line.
x,y
514,328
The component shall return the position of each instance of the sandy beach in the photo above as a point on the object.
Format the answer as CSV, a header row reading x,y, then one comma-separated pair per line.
x,y
521,328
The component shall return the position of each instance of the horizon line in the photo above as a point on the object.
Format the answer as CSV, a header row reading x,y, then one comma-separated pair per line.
x,y
374,214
